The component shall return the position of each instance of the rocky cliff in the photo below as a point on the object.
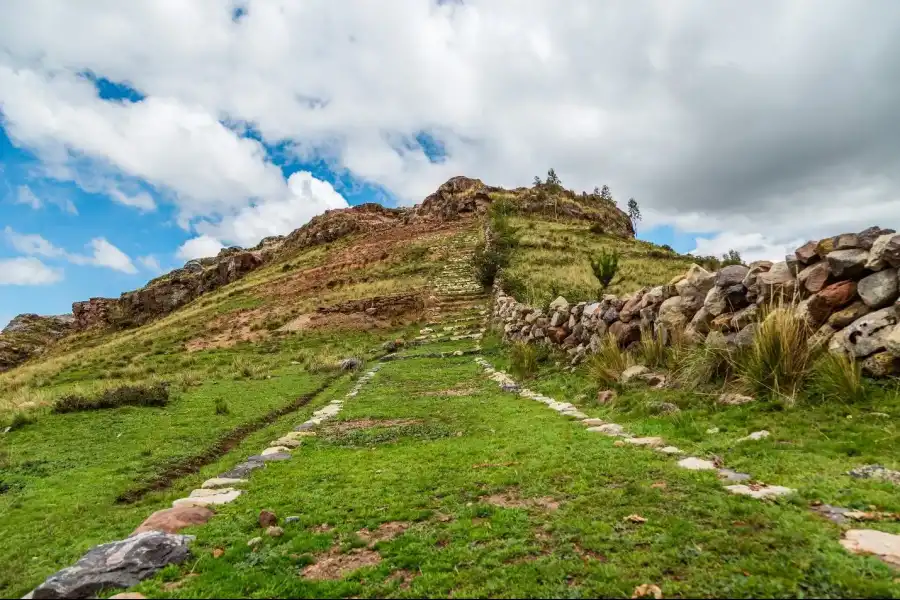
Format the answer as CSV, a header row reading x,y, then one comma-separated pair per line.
x,y
29,335
846,287
458,198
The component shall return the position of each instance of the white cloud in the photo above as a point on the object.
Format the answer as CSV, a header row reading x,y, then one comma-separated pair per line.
x,y
752,246
27,271
141,201
150,263
107,255
698,111
199,247
27,197
103,253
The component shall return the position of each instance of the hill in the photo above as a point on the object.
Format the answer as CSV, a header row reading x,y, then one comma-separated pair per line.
x,y
346,411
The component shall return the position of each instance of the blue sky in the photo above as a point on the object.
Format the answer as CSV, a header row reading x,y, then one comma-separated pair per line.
x,y
136,135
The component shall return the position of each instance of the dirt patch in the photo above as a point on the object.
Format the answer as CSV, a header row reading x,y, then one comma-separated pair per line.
x,y
355,321
193,464
334,565
384,533
369,424
586,554
511,500
227,330
452,392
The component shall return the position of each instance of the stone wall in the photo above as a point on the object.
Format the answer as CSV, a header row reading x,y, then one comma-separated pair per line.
x,y
845,286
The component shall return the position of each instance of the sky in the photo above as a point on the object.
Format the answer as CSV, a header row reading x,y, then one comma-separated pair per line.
x,y
137,135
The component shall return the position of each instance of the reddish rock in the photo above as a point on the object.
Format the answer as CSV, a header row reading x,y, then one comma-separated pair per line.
x,y
625,333
267,518
557,334
807,253
173,520
830,299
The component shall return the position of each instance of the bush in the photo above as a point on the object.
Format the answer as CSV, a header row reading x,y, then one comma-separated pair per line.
x,y
488,262
222,407
610,361
128,395
526,359
605,267
780,360
837,378
513,286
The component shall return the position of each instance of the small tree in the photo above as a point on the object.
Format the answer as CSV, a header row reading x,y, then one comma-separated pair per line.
x,y
634,212
605,194
537,181
732,257
605,268
552,178
596,191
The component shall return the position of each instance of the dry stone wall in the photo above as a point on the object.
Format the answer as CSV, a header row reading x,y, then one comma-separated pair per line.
x,y
846,287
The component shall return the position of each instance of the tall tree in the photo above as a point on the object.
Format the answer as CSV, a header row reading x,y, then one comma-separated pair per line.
x,y
537,180
605,194
552,178
634,212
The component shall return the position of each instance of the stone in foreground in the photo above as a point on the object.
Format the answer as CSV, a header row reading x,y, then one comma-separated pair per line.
x,y
173,520
760,492
652,442
755,436
204,497
220,482
733,476
242,470
671,450
885,546
696,464
119,564
610,429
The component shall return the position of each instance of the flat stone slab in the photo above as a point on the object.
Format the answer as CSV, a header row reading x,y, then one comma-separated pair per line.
x,y
760,492
876,472
610,429
755,436
173,520
275,450
670,450
204,497
220,482
696,464
651,442
269,457
575,414
885,546
733,476
593,422
289,443
119,564
242,470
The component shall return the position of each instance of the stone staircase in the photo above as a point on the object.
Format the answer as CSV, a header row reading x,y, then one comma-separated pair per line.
x,y
455,293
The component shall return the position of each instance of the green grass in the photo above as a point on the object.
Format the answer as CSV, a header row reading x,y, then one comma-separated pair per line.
x,y
437,474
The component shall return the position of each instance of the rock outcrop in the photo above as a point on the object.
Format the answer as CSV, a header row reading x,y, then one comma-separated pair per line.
x,y
28,336
846,287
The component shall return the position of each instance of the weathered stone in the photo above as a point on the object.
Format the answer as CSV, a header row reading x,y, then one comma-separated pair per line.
x,y
847,264
892,341
777,282
882,364
696,464
814,277
822,336
663,408
876,472
807,253
835,296
220,482
267,518
673,450
350,364
824,247
845,241
173,520
673,314
701,321
885,252
606,396
715,303
633,372
205,497
866,335
650,442
732,399
560,304
846,316
732,476
274,531
755,436
868,236
717,339
625,333
557,334
731,275
610,429
744,317
735,297
119,564
879,289
744,338
885,546
592,309
558,319
242,470
722,323
696,282
760,492
611,315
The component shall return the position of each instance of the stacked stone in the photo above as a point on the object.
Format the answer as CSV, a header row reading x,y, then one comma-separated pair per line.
x,y
846,287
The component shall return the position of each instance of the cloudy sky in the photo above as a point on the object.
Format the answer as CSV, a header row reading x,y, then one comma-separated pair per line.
x,y
136,135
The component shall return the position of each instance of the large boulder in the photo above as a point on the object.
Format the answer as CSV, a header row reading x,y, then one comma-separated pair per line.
x,y
885,252
866,335
700,323
820,306
173,520
674,313
560,304
868,236
715,302
814,277
847,264
845,241
119,564
695,285
879,289
892,341
625,333
777,281
731,275
806,253
847,315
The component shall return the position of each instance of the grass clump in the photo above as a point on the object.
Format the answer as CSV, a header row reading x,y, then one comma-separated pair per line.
x,y
605,267
653,350
837,378
610,361
127,395
526,359
704,363
246,368
780,360
222,407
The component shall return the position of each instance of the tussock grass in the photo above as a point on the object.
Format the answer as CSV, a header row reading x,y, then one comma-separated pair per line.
x,y
526,359
137,395
701,364
610,361
653,351
837,378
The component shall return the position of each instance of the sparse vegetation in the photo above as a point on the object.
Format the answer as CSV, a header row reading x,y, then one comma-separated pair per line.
x,y
137,395
609,362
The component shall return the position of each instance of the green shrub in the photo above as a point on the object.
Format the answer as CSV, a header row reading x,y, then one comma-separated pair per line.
x,y
128,395
526,358
605,267
513,286
222,407
609,362
780,360
837,378
487,263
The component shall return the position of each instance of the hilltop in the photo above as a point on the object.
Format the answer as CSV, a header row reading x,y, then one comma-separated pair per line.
x,y
350,410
